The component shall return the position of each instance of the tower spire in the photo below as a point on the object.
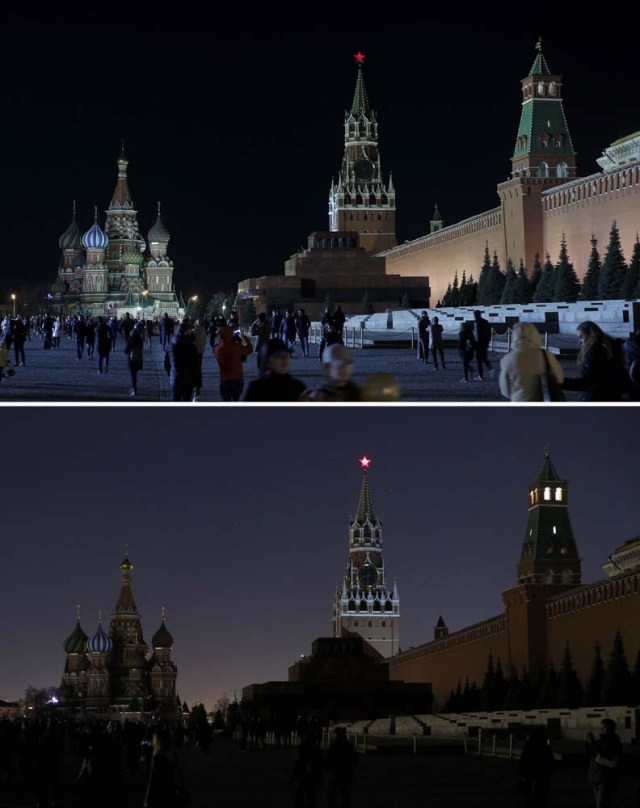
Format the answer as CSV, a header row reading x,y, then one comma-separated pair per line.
x,y
360,104
365,507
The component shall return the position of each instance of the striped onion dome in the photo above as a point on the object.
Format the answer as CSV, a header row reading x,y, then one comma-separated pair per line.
x,y
59,287
95,238
162,638
159,232
100,643
75,642
71,239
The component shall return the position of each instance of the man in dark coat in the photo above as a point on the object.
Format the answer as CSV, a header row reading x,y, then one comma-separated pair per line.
x,y
19,331
340,762
423,337
276,384
103,340
183,364
303,324
483,338
80,330
605,759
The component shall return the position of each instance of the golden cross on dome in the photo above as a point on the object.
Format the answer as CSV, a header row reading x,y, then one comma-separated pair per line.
x,y
365,462
359,57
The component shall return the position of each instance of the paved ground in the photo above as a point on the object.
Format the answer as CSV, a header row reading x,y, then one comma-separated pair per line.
x,y
57,376
229,778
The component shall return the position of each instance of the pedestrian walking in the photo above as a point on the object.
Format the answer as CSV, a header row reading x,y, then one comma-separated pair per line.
x,y
91,337
423,337
261,328
182,364
80,331
436,345
303,325
230,355
466,348
483,339
200,340
536,770
307,772
103,342
340,763
521,369
55,334
603,376
135,352
605,762
19,333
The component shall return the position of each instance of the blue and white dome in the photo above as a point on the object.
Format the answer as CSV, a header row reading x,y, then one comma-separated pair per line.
x,y
100,643
95,238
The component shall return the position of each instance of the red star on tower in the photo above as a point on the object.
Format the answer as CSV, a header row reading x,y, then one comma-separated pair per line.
x,y
365,462
359,57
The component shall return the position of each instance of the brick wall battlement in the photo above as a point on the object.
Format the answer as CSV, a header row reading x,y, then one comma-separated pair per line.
x,y
593,595
478,631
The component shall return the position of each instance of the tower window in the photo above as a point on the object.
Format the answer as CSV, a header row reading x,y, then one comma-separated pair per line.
x,y
563,550
541,88
549,549
558,494
554,530
547,494
552,88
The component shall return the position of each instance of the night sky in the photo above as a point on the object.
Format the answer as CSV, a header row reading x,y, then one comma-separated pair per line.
x,y
235,120
237,521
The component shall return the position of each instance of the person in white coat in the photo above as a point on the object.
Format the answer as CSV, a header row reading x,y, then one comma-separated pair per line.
x,y
522,367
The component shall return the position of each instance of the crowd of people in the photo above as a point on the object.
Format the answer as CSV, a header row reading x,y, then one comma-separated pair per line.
x,y
608,369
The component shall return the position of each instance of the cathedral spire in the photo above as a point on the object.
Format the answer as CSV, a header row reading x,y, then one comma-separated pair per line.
x,y
126,604
121,195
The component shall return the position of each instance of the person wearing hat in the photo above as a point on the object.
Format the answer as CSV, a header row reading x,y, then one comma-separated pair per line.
x,y
276,383
338,367
135,350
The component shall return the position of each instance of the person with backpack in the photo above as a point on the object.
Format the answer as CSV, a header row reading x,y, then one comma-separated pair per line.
x,y
603,376
135,351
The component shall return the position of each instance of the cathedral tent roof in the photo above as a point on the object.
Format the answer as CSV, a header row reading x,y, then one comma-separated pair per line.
x,y
539,66
547,472
360,104
365,507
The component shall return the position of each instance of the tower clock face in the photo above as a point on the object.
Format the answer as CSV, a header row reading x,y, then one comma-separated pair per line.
x,y
363,169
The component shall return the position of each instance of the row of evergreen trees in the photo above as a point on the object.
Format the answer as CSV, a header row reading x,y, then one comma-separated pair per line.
x,y
611,685
608,279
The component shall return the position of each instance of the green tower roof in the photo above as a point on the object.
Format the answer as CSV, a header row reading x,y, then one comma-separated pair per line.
x,y
539,66
547,472
365,508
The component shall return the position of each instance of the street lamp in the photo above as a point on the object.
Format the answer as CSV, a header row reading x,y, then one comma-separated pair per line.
x,y
13,297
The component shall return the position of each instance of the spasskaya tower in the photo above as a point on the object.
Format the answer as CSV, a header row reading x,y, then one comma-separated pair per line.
x,y
360,201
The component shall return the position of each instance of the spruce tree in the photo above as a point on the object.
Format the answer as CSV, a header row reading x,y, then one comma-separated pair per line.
x,y
462,296
484,275
486,692
510,281
446,300
634,688
591,283
495,283
534,280
527,695
567,287
367,306
549,692
593,690
614,268
570,695
472,292
522,288
405,303
512,699
466,701
455,292
617,678
547,285
475,698
632,280
500,687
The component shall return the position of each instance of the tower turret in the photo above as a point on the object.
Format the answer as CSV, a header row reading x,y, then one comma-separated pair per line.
x,y
361,201
74,678
99,647
159,268
364,605
162,671
122,225
128,657
542,158
549,553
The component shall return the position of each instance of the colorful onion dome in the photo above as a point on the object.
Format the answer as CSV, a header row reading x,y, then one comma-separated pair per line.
x,y
100,643
162,638
75,642
71,239
59,287
95,238
159,232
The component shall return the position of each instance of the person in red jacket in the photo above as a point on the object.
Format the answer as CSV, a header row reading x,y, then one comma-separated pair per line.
x,y
230,352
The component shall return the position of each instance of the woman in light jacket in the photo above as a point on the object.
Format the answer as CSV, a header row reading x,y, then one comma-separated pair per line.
x,y
522,367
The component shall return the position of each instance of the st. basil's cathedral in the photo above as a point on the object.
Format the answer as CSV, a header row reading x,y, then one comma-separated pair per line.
x,y
116,671
113,270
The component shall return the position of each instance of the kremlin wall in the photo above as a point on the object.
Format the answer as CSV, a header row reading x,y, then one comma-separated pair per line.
x,y
543,199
